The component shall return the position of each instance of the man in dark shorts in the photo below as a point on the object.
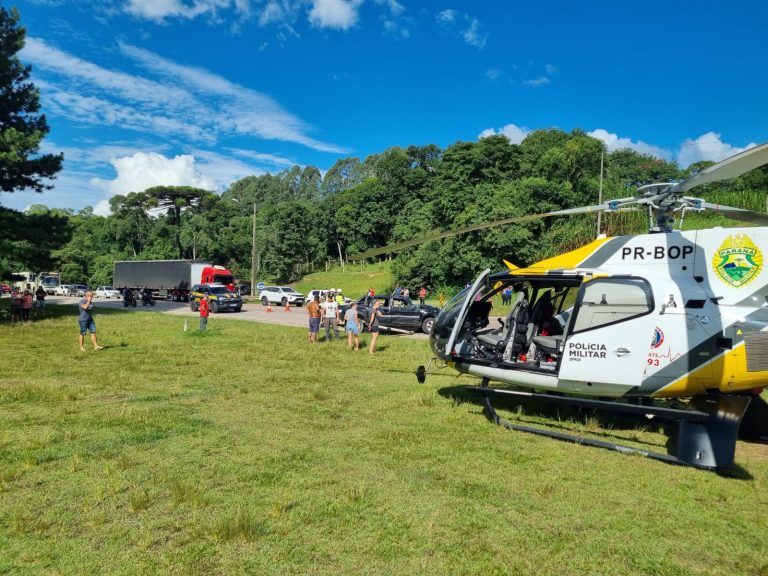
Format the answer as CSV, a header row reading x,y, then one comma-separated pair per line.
x,y
373,322
313,309
15,305
87,323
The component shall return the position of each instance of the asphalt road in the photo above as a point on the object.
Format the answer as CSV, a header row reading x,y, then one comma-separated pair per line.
x,y
251,311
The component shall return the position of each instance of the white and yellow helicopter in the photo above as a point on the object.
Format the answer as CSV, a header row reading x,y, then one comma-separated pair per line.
x,y
625,321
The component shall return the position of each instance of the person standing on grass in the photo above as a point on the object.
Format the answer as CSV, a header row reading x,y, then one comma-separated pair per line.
x,y
87,323
204,312
15,305
313,309
331,318
40,299
373,323
26,305
422,295
352,325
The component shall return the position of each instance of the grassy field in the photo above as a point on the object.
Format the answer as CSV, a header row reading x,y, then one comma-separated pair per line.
x,y
353,281
244,450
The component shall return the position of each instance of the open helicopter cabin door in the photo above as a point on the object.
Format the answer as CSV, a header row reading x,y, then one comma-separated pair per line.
x,y
607,342
463,302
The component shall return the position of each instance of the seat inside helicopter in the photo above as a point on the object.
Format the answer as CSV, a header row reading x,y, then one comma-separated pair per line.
x,y
530,334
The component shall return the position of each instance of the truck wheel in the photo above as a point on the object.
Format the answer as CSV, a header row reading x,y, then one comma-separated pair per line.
x,y
264,301
426,325
215,307
134,303
152,302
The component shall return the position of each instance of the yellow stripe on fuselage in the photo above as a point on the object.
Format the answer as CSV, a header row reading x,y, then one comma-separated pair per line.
x,y
566,261
727,373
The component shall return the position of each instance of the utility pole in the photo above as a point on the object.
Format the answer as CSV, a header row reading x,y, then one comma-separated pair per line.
x,y
253,252
600,193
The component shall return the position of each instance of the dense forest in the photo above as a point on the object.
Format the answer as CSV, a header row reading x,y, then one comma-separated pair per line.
x,y
307,221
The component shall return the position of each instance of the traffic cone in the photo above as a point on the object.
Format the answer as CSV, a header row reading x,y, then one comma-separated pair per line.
x,y
269,307
287,307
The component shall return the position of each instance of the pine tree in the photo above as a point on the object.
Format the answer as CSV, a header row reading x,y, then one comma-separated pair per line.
x,y
22,125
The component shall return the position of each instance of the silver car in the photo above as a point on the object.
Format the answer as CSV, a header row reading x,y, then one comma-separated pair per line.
x,y
106,292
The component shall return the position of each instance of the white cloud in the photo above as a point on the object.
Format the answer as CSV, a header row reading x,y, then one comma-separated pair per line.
x,y
536,82
515,133
462,25
340,14
181,102
615,142
159,10
395,8
446,15
708,146
143,170
493,73
472,35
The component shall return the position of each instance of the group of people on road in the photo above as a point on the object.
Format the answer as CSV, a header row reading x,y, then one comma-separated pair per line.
x,y
329,315
22,303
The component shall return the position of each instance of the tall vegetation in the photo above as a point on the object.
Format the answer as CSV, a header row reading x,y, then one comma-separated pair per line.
x,y
24,238
305,222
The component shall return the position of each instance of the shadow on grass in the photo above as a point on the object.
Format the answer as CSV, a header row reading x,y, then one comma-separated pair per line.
x,y
574,420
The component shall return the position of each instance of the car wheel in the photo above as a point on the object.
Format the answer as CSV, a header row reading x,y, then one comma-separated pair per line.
x,y
284,301
264,301
426,325
192,306
215,307
238,308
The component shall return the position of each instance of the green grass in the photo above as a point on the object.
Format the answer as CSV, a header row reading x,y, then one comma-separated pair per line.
x,y
353,281
246,451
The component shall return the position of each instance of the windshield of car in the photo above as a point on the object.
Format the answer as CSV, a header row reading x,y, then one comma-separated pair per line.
x,y
288,289
218,290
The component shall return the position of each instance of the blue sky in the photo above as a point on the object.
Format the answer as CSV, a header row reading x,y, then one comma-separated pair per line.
x,y
203,92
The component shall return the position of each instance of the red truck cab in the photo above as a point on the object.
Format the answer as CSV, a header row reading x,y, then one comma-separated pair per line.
x,y
218,275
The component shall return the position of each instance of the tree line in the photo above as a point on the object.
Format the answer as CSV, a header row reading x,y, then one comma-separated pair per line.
x,y
306,221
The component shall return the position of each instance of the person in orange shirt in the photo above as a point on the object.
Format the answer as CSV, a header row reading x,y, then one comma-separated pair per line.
x,y
204,312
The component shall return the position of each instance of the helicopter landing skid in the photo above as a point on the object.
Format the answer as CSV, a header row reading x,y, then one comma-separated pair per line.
x,y
707,429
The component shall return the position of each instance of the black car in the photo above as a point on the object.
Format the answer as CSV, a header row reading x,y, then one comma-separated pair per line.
x,y
398,313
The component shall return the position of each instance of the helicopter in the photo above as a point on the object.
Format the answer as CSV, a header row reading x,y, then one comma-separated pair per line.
x,y
628,323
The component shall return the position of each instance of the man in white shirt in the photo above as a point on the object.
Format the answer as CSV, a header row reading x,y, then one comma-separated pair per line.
x,y
331,318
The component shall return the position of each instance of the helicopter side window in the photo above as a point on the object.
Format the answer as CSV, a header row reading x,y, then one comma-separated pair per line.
x,y
608,301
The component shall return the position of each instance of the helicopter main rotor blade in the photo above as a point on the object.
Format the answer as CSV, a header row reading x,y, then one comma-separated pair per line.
x,y
738,213
607,206
728,168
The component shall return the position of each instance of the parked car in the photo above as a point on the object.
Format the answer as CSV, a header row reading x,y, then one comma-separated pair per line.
x,y
220,298
79,290
398,313
63,290
283,295
323,293
106,292
5,289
